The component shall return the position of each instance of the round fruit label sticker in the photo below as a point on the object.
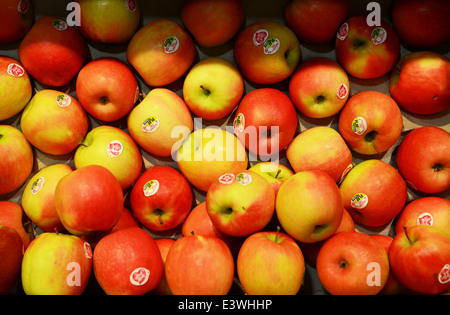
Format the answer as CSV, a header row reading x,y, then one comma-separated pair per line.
x,y
60,25
23,6
271,45
342,91
244,178
131,5
15,70
239,123
359,125
378,35
150,124
63,100
425,219
171,44
444,274
36,186
114,148
87,250
359,201
260,37
139,276
151,187
342,32
226,178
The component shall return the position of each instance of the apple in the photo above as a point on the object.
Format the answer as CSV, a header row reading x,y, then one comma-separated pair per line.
x,y
316,22
240,203
320,148
270,263
107,88
114,149
54,122
11,247
15,87
352,263
373,192
420,258
169,48
266,52
265,121
366,52
161,198
38,198
370,122
423,159
209,153
420,83
83,211
53,52
110,21
195,255
319,87
275,173
154,122
212,88
431,27
16,159
12,215
164,245
309,206
16,19
128,262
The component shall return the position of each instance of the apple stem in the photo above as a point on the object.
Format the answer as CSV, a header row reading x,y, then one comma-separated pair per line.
x,y
277,236
207,92
56,231
407,236
236,280
278,173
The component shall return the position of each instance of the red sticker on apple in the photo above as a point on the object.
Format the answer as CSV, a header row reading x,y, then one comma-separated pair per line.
x,y
63,100
239,123
342,32
131,5
139,276
378,35
60,25
15,70
114,148
425,219
150,124
171,44
87,250
244,178
226,178
36,186
444,274
260,37
150,188
359,125
23,6
342,91
359,201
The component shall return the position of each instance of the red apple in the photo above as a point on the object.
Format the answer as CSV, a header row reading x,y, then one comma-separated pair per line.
x,y
275,173
11,247
164,245
12,215
16,19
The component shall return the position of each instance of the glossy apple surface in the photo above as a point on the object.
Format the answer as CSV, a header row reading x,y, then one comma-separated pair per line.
x,y
11,253
16,19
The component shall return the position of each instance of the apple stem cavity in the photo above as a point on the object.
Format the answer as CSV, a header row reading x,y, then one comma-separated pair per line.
x,y
320,99
104,100
343,264
406,234
370,136
437,167
159,213
207,92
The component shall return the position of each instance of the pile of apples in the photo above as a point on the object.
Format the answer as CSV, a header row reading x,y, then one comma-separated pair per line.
x,y
247,203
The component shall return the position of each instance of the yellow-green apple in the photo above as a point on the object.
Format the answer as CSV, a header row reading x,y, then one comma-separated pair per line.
x,y
109,21
15,87
352,263
154,122
420,83
16,19
161,198
320,148
212,88
194,255
53,52
373,192
54,122
420,257
16,159
169,47
266,52
423,159
316,21
11,253
209,153
164,245
270,263
114,149
38,198
107,88
12,215
98,208
265,121
56,264
309,206
128,262
366,52
240,203
319,87
429,210
275,173
370,122
431,27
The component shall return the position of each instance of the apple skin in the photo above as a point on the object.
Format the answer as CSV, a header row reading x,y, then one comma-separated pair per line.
x,y
358,54
419,259
212,88
309,206
194,255
161,198
164,245
149,42
17,17
52,126
267,67
12,215
110,21
15,87
423,159
270,263
16,159
212,23
320,148
275,173
316,22
38,198
373,192
343,264
383,122
11,247
51,56
47,269
114,149
431,27
168,112
84,211
128,262
319,87
420,83
107,88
